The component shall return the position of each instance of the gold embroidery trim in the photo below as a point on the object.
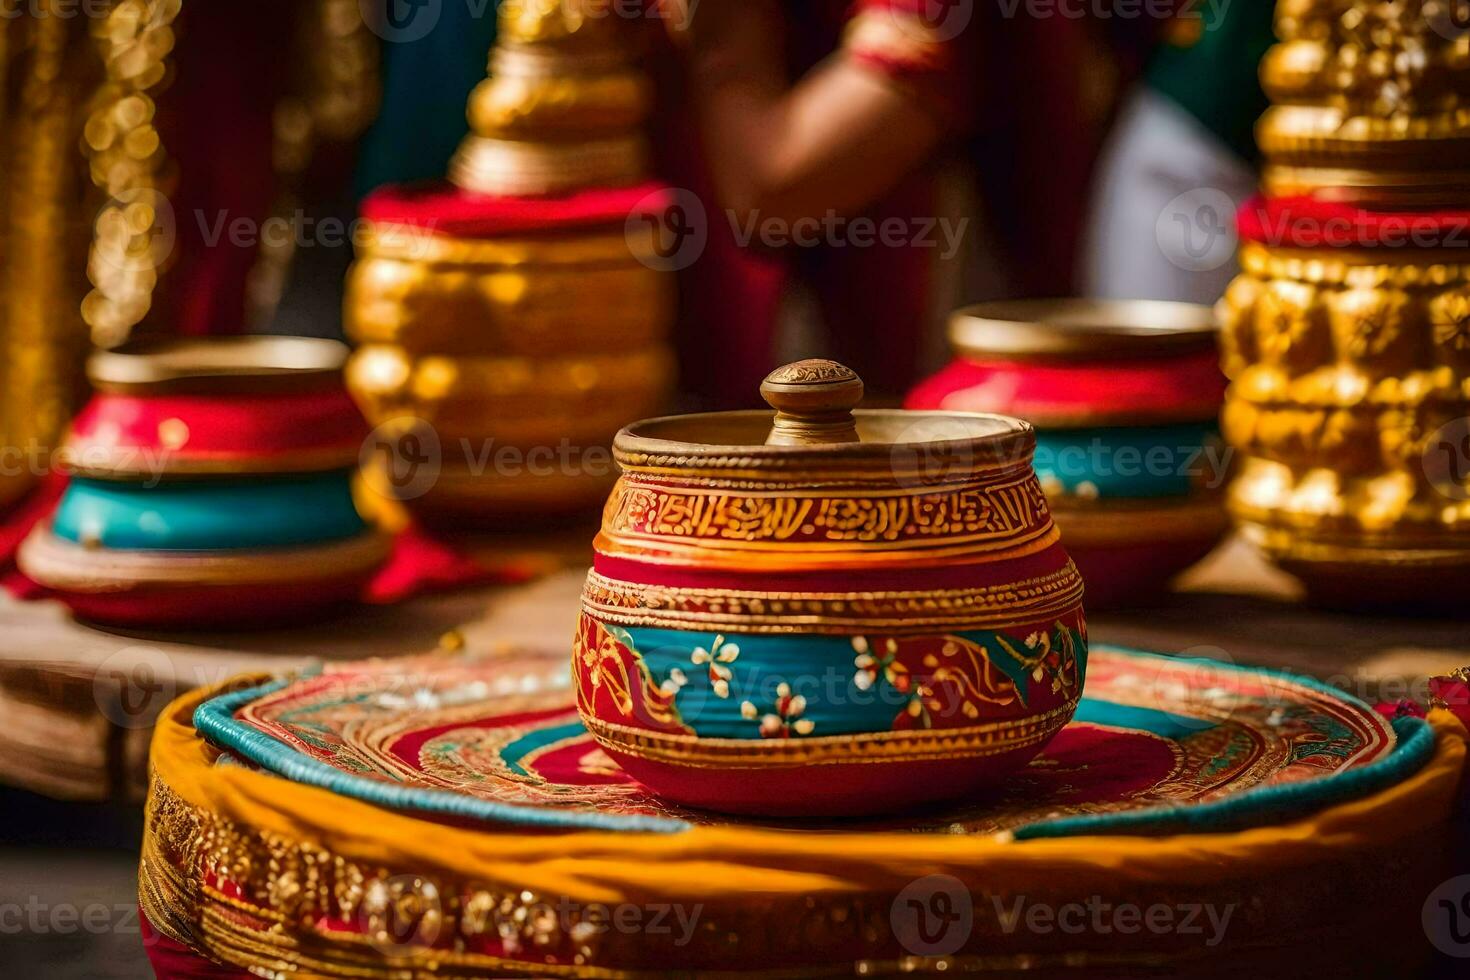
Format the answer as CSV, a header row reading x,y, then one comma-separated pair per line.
x,y
633,604
970,742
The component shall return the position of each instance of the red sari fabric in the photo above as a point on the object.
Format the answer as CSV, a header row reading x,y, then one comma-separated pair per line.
x,y
1010,91
215,119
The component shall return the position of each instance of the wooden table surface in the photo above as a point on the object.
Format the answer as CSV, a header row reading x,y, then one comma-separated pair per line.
x,y
77,703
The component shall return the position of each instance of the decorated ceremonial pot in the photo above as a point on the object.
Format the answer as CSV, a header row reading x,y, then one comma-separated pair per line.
x,y
827,612
1125,398
211,485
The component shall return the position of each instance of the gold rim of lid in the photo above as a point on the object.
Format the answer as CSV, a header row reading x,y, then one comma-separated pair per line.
x,y
815,420
217,364
1065,328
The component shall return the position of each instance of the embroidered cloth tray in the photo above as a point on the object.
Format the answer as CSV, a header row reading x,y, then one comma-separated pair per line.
x,y
1157,742
441,818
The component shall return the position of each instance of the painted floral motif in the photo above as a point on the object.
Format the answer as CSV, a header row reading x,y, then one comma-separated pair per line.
x,y
717,658
1052,658
916,682
784,720
962,681
869,667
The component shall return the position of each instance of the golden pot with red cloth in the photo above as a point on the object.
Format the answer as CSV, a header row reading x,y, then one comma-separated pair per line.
x,y
1124,397
1347,341
513,335
828,611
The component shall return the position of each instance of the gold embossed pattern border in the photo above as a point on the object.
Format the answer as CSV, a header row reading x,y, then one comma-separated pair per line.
x,y
632,604
987,514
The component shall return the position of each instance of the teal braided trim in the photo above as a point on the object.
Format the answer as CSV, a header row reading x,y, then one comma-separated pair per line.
x,y
215,720
1275,804
1414,744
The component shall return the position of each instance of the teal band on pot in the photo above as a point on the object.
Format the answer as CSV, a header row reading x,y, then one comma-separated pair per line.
x,y
209,516
1130,462
754,686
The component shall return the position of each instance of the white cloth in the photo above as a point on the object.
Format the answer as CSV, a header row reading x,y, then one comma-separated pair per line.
x,y
1161,221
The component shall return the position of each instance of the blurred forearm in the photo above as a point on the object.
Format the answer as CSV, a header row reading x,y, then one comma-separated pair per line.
x,y
836,140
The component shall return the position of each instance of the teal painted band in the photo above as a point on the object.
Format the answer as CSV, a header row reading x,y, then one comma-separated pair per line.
x,y
215,720
820,669
1130,461
210,516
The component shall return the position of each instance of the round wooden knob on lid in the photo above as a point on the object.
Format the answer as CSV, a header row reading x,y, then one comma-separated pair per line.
x,y
813,400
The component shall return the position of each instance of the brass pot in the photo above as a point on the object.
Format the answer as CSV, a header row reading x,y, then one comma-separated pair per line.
x,y
531,298
506,363
522,401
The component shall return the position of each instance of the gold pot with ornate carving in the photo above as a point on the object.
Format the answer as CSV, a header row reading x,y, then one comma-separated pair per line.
x,y
1367,104
1347,341
504,356
827,611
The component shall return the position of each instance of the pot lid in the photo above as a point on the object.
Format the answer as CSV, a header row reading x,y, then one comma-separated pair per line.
x,y
815,420
1080,328
219,364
